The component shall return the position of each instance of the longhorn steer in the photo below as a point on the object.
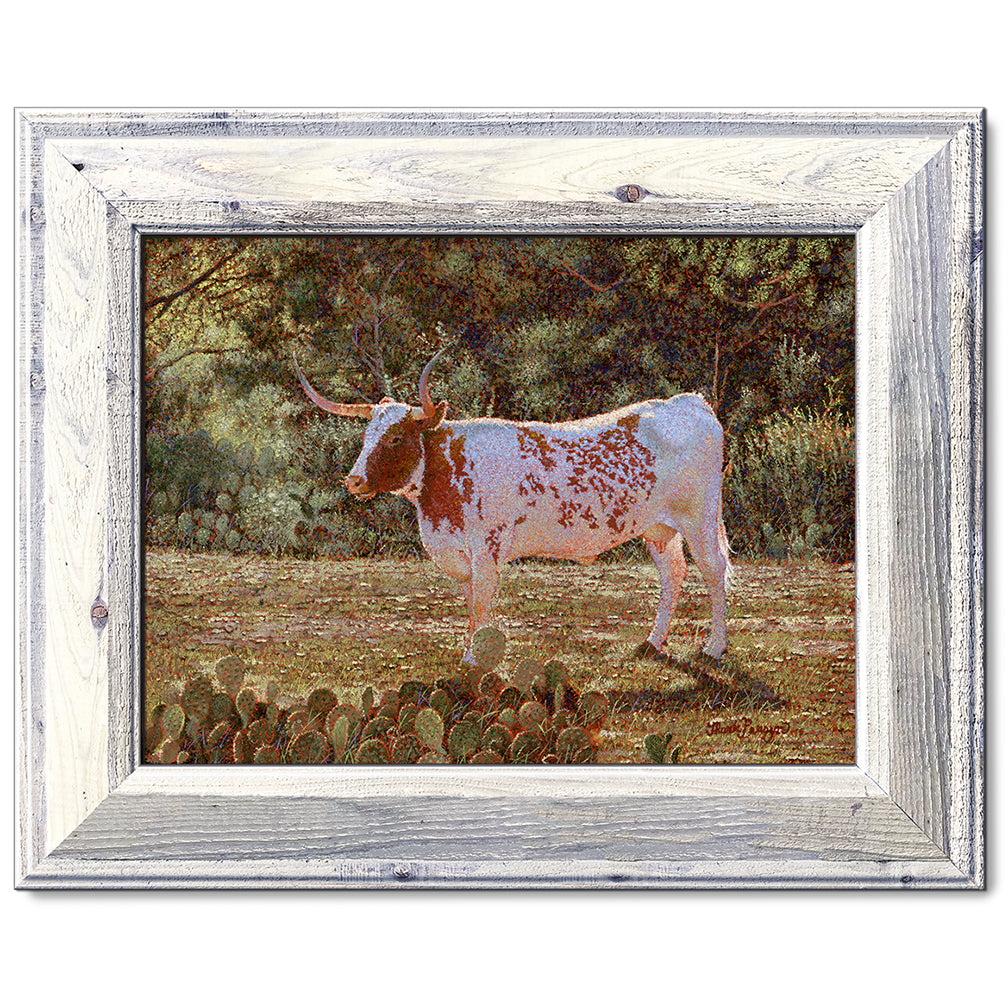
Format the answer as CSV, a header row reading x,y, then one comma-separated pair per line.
x,y
489,491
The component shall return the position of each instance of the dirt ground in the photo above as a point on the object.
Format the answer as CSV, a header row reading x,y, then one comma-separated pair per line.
x,y
784,694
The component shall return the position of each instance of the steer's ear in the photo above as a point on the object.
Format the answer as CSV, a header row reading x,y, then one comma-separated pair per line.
x,y
430,422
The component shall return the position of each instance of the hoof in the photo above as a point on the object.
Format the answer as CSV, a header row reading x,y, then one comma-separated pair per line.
x,y
648,651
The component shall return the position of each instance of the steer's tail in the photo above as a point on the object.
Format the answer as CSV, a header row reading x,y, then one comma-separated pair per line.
x,y
725,550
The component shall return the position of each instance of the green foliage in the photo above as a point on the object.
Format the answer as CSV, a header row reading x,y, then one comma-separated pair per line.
x,y
790,488
547,328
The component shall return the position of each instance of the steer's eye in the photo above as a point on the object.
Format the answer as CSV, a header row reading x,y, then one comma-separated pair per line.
x,y
394,439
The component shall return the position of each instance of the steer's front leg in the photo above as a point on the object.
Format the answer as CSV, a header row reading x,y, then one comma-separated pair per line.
x,y
479,577
480,591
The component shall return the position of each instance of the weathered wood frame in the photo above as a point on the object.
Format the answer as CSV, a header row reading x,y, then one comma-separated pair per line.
x,y
908,814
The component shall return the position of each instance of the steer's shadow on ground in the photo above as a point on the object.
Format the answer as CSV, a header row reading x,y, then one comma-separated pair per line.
x,y
703,684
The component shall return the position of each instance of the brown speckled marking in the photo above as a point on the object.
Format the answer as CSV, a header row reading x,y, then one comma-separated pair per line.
x,y
535,444
614,466
530,485
493,540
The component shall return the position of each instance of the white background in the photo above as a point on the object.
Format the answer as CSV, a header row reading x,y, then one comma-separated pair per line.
x,y
676,949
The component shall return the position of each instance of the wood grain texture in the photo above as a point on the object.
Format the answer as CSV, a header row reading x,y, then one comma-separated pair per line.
x,y
919,547
966,498
30,779
874,512
527,827
461,170
76,497
908,815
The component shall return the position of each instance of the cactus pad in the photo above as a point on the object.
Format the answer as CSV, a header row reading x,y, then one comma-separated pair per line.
x,y
496,737
245,702
266,754
411,691
378,727
321,701
221,708
308,747
440,701
569,741
407,718
463,740
372,751
172,721
429,728
532,716
654,747
406,749
196,699
524,674
526,747
488,645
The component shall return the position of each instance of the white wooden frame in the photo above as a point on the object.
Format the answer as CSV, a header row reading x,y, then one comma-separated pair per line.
x,y
908,814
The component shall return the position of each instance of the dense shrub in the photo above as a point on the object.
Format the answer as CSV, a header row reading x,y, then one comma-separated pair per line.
x,y
790,488
281,497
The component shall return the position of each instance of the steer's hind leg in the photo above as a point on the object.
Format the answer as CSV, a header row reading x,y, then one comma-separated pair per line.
x,y
709,549
671,564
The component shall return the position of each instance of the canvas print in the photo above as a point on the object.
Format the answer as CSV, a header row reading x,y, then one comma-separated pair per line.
x,y
459,498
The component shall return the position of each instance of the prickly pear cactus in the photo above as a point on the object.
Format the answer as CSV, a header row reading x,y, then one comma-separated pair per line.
x,y
569,742
463,740
321,701
525,674
245,702
308,747
338,730
532,716
488,646
526,747
266,754
373,750
221,708
556,674
441,702
172,721
490,685
412,691
196,699
654,747
166,752
407,718
429,729
496,737
406,749
509,696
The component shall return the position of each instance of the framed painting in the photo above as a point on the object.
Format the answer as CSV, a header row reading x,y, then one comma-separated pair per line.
x,y
201,584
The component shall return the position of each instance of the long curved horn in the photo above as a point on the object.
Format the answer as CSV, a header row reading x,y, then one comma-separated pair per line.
x,y
425,399
363,410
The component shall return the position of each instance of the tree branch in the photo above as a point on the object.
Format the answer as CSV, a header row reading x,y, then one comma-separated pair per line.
x,y
158,370
165,301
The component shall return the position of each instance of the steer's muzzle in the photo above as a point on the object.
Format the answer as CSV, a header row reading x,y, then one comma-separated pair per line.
x,y
357,485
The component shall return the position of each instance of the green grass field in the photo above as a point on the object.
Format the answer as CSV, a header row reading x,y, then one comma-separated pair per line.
x,y
784,694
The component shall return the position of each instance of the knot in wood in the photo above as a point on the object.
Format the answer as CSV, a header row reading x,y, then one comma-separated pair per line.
x,y
631,193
